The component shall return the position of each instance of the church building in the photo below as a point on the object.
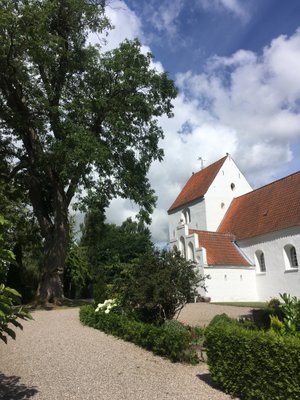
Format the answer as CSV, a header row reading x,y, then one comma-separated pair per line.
x,y
247,241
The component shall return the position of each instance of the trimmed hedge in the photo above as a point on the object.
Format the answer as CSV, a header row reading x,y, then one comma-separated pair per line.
x,y
171,342
254,365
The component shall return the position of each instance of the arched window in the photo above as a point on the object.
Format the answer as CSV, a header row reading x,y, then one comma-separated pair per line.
x,y
175,248
260,257
290,256
262,262
293,255
191,255
182,247
186,216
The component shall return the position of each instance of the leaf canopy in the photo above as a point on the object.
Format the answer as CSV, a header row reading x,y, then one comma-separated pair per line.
x,y
71,115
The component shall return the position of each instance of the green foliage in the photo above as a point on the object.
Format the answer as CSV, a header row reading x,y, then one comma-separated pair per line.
x,y
21,234
157,285
254,365
9,313
107,243
221,319
74,119
171,340
109,246
6,256
291,313
262,317
77,274
100,289
276,325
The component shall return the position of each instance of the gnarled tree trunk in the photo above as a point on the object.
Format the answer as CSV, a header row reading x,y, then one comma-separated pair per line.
x,y
55,231
50,288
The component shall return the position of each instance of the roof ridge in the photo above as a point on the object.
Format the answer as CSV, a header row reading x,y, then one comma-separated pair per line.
x,y
213,232
220,249
198,184
270,208
210,165
205,231
267,184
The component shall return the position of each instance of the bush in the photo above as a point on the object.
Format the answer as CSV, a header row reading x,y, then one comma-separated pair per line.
x,y
262,317
157,285
291,314
254,365
9,313
221,319
171,340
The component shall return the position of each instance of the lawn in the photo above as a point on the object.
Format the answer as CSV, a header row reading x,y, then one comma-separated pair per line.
x,y
253,304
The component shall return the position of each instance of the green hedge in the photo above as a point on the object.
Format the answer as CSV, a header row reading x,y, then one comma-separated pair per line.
x,y
254,365
169,341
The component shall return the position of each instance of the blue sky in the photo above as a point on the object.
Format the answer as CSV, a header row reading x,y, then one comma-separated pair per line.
x,y
200,29
236,64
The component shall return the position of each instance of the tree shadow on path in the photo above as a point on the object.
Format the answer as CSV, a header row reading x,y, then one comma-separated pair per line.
x,y
208,380
12,389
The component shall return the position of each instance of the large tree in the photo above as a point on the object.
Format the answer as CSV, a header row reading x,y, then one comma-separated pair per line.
x,y
73,117
20,235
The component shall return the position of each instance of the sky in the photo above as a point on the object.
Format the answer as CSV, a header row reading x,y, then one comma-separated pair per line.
x,y
236,65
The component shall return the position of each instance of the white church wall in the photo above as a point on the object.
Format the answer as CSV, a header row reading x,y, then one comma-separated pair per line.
x,y
279,276
196,220
228,184
231,284
198,215
189,248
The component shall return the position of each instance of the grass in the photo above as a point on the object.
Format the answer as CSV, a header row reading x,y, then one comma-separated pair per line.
x,y
253,304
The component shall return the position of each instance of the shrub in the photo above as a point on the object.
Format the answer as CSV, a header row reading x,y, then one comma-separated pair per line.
x,y
9,313
254,365
171,340
262,317
157,285
221,319
291,313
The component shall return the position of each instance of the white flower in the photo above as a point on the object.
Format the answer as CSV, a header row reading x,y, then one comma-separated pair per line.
x,y
106,306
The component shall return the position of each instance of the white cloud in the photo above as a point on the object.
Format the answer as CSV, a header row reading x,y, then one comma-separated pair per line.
x,y
119,210
126,25
236,7
246,104
165,16
258,98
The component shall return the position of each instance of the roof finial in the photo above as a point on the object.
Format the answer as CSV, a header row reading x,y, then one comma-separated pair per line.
x,y
202,162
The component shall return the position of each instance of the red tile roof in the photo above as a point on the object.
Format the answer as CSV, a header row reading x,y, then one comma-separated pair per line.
x,y
197,185
271,208
220,248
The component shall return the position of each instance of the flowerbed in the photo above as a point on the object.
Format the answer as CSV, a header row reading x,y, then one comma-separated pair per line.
x,y
172,339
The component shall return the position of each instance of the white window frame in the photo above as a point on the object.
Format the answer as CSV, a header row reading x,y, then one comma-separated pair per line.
x,y
191,253
260,262
290,258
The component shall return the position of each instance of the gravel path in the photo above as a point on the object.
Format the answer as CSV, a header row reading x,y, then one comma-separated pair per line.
x,y
57,358
202,313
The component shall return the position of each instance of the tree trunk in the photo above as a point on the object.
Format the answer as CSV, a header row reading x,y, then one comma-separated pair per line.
x,y
56,237
50,289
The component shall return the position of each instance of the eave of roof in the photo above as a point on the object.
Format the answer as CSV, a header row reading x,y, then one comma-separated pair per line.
x,y
197,185
220,249
271,208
